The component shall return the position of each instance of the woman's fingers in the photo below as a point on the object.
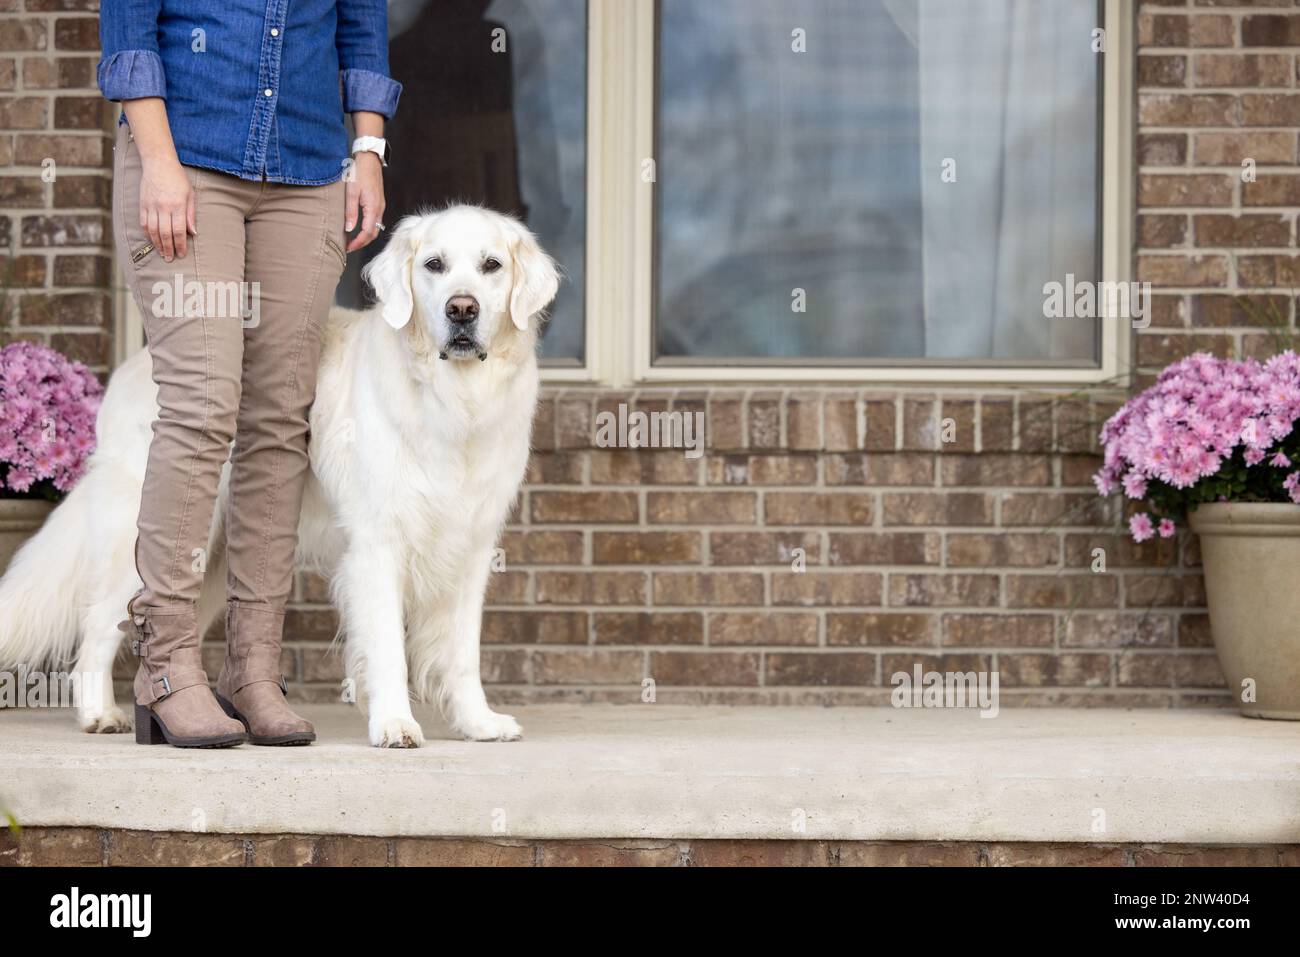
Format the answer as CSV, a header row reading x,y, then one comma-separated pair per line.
x,y
168,229
366,234
352,196
149,217
372,215
180,230
165,234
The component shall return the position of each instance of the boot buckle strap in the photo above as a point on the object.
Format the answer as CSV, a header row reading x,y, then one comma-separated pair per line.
x,y
138,627
176,677
278,680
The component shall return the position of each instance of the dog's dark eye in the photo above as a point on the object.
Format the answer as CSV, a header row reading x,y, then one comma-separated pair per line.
x,y
434,265
491,265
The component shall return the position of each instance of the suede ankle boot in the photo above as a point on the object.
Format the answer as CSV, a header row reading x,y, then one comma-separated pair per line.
x,y
174,704
250,686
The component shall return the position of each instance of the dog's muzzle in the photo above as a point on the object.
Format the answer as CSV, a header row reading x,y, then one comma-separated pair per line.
x,y
462,312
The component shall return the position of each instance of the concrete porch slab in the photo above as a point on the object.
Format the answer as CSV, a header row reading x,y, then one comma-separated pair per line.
x,y
660,771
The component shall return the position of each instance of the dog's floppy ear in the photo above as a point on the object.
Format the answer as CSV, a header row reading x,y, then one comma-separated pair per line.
x,y
389,274
536,278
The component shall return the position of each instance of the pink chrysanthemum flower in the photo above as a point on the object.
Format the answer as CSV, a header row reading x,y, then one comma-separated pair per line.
x,y
48,406
1292,485
1202,413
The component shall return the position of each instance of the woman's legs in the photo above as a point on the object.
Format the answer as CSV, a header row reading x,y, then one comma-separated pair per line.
x,y
234,332
293,262
197,349
197,358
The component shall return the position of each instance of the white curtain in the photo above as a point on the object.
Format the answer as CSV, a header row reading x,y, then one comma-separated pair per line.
x,y
1008,94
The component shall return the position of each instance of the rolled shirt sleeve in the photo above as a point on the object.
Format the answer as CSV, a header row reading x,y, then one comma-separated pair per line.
x,y
130,67
364,90
132,75
362,42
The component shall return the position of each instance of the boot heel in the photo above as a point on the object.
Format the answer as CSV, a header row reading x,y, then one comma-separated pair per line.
x,y
147,730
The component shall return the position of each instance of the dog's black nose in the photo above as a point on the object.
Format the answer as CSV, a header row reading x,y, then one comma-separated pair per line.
x,y
462,309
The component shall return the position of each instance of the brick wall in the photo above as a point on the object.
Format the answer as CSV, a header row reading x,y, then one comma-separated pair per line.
x,y
55,176
1217,88
971,555
88,847
975,553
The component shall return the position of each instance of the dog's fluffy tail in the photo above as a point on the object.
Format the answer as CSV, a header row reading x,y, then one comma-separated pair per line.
x,y
42,593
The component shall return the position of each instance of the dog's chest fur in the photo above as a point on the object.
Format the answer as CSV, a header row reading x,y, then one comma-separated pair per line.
x,y
429,458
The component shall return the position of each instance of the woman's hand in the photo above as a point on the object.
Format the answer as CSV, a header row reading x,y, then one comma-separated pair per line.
x,y
167,206
365,189
166,200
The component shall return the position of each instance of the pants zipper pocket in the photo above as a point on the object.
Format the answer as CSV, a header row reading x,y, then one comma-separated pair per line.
x,y
140,253
338,251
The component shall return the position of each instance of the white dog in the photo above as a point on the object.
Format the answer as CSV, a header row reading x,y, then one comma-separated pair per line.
x,y
419,441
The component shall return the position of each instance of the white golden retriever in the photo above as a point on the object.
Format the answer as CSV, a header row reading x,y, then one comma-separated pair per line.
x,y
419,441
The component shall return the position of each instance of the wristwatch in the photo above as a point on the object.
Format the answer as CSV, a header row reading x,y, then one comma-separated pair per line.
x,y
372,144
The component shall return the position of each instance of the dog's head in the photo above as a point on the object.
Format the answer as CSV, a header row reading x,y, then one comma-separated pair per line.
x,y
466,274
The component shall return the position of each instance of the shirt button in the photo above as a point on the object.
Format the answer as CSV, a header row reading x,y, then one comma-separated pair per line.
x,y
274,32
267,91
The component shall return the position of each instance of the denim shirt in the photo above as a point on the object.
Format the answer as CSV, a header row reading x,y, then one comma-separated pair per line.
x,y
254,88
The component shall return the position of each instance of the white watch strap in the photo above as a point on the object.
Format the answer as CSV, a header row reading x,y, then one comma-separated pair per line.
x,y
371,144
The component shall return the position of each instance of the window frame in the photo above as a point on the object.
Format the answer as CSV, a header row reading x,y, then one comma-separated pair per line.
x,y
621,211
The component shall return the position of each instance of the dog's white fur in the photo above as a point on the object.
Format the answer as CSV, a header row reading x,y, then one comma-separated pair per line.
x,y
418,448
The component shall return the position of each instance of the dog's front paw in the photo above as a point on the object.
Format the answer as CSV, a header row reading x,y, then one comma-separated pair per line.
x,y
111,720
489,726
395,733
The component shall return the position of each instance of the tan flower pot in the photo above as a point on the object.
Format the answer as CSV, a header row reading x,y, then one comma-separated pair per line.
x,y
19,520
1251,554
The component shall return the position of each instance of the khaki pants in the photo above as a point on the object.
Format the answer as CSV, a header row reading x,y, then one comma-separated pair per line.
x,y
234,330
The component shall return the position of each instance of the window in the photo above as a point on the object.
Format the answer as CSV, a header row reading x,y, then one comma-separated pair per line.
x,y
873,180
786,190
